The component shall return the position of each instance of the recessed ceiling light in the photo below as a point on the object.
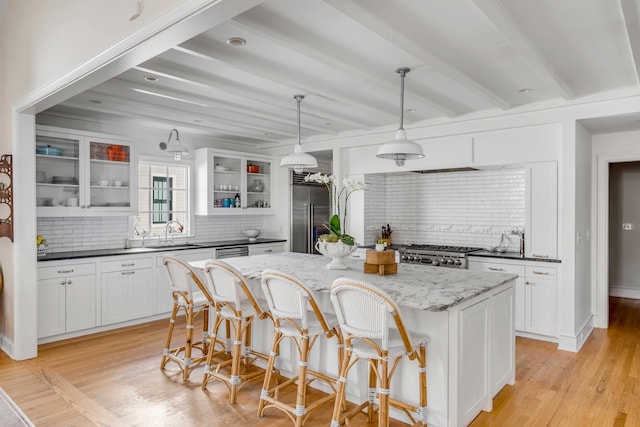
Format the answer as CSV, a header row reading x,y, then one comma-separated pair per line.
x,y
236,41
525,90
95,101
151,78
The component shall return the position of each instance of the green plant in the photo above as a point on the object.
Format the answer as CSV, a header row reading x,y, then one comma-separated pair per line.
x,y
338,204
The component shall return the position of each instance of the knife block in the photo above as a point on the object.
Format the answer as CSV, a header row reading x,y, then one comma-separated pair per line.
x,y
381,262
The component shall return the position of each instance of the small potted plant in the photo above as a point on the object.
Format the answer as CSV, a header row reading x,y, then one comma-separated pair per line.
x,y
41,244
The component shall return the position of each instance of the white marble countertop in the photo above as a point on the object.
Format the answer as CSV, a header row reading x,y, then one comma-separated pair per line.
x,y
415,286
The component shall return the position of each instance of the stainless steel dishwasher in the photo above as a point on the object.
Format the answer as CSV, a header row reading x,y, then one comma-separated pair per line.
x,y
232,251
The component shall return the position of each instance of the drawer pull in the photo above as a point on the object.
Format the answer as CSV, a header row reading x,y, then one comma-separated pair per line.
x,y
131,264
495,269
268,250
539,256
544,273
355,256
65,271
128,273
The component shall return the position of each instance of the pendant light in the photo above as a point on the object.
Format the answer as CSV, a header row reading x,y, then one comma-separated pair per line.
x,y
298,160
400,148
176,147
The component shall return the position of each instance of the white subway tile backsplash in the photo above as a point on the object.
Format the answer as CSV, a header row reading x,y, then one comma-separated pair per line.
x,y
65,234
458,208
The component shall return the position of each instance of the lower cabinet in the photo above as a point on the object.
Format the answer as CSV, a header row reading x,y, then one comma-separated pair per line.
x,y
66,298
535,297
127,289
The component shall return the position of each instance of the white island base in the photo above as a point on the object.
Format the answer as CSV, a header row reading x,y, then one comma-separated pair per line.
x,y
470,358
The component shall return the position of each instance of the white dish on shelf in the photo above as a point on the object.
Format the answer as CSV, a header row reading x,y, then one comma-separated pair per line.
x,y
252,233
221,168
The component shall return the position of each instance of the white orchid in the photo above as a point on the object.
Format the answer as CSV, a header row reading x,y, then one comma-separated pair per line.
x,y
337,198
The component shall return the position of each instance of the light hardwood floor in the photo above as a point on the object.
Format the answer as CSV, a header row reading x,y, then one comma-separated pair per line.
x,y
113,379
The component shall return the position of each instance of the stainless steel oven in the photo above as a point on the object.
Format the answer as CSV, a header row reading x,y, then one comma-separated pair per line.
x,y
437,255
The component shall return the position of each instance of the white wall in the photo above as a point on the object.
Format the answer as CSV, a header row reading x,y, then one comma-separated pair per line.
x,y
583,313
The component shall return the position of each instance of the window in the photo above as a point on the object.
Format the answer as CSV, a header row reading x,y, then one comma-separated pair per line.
x,y
163,196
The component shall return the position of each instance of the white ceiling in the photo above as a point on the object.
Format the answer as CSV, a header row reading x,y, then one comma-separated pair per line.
x,y
467,57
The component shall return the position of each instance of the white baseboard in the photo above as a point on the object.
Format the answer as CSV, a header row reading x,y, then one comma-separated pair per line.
x,y
536,336
7,346
575,343
622,292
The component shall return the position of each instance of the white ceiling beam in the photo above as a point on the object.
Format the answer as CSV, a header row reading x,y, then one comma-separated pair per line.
x,y
166,69
631,12
497,14
394,35
126,96
312,47
280,74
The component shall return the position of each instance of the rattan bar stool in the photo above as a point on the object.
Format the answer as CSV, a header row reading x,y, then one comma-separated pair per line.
x,y
366,315
296,316
235,304
187,295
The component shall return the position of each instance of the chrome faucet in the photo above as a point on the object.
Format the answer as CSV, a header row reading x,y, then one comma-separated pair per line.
x,y
169,229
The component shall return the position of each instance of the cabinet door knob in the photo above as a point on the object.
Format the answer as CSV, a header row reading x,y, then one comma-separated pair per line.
x,y
63,282
529,283
68,282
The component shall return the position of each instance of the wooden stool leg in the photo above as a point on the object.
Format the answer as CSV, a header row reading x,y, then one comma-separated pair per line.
x,y
188,343
167,345
340,393
371,392
267,377
234,380
302,380
205,330
383,392
213,336
422,411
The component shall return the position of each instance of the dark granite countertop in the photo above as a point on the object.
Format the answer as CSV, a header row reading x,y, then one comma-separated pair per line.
x,y
510,255
56,256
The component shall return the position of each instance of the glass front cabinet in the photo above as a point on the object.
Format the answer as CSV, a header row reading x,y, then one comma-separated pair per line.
x,y
230,183
81,173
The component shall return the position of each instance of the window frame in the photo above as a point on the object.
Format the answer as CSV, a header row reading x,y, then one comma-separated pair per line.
x,y
189,231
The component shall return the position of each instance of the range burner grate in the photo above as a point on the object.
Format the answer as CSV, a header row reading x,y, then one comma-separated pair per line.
x,y
442,248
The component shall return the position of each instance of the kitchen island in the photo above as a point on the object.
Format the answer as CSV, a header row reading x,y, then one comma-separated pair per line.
x,y
468,315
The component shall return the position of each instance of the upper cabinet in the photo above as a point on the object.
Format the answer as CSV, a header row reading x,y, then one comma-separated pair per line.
x,y
541,205
230,183
81,173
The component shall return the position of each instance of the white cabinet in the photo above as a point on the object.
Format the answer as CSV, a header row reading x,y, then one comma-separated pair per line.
x,y
163,297
221,175
266,248
473,354
536,297
66,298
541,222
502,345
126,289
82,173
517,145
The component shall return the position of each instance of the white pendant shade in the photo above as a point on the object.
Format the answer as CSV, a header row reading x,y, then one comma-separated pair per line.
x,y
175,147
400,149
299,160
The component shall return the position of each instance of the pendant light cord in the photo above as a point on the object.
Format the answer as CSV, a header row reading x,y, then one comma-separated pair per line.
x,y
299,98
402,71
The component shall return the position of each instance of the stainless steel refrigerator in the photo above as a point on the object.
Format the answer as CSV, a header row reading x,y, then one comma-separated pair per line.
x,y
310,211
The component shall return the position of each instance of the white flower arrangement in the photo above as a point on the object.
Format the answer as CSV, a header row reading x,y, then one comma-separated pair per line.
x,y
338,202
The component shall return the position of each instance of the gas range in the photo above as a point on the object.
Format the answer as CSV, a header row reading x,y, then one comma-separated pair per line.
x,y
436,255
